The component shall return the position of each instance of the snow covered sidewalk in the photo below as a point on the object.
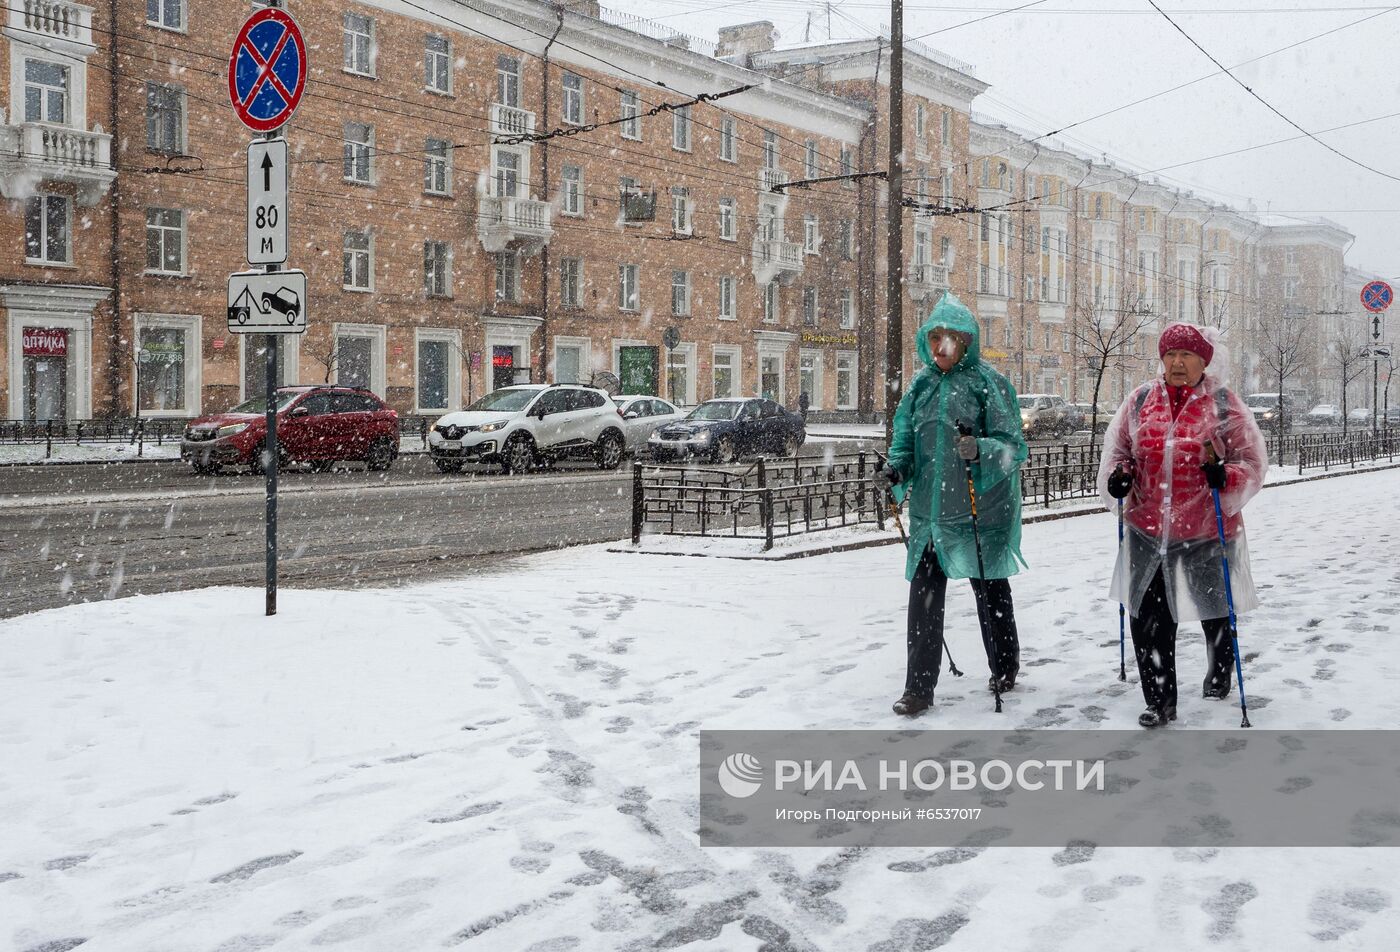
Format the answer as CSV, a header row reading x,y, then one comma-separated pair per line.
x,y
508,762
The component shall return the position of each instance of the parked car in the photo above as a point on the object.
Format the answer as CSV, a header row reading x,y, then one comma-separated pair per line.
x,y
1392,416
318,424
1360,415
641,415
726,429
1085,416
1265,407
1044,415
1325,414
522,426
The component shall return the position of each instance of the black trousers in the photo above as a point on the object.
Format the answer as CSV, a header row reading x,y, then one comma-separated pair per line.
x,y
1154,644
925,625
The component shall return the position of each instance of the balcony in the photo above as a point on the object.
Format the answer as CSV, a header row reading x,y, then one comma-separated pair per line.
x,y
776,259
523,222
510,121
926,281
770,177
52,25
35,152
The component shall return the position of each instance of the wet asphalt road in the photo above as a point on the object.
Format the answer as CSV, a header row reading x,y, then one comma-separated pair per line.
x,y
76,533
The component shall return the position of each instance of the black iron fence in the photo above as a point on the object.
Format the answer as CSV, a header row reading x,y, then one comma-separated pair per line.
x,y
135,431
1327,451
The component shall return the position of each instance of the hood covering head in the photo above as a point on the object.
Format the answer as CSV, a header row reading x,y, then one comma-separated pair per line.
x,y
954,315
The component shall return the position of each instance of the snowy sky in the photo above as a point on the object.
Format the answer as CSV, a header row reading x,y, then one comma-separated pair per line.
x,y
1061,61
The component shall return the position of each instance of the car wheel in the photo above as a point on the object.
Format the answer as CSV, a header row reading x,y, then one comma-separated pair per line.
x,y
609,453
790,444
448,465
380,456
518,456
725,451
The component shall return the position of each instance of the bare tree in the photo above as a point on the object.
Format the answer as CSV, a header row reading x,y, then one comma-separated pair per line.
x,y
1285,347
1348,357
1107,335
327,356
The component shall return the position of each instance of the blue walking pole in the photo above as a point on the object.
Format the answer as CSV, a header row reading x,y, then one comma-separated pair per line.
x,y
1230,602
1122,641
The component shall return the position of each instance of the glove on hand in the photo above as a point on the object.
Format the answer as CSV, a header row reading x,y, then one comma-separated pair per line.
x,y
1120,482
885,477
1215,474
967,447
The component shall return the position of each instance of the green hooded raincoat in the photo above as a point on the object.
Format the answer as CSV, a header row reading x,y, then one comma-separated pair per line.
x,y
932,476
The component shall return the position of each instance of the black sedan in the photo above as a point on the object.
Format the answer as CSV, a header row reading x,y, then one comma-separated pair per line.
x,y
724,430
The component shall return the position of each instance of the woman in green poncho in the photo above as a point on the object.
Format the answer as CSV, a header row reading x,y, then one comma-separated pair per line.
x,y
926,467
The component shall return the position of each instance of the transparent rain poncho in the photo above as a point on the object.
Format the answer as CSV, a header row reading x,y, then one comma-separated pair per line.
x,y
1169,516
933,477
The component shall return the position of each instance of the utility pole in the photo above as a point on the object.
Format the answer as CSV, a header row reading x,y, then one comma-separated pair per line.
x,y
1375,374
894,253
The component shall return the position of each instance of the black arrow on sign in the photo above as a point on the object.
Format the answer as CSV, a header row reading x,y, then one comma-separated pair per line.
x,y
267,172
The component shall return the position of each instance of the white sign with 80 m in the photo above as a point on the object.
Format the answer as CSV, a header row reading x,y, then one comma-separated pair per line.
x,y
267,201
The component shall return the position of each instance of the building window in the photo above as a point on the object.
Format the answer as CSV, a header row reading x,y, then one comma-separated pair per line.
x,y
359,44
359,358
678,375
437,167
680,210
573,99
46,92
809,307
680,293
848,309
848,166
628,298
437,268
809,160
48,228
845,381
165,241
945,252
161,369
167,13
809,378
568,363
727,228
946,124
508,81
573,190
770,377
165,118
437,64
727,150
359,145
724,367
770,149
770,302
631,116
920,120
357,258
571,282
726,298
811,237
507,177
507,276
680,129
847,239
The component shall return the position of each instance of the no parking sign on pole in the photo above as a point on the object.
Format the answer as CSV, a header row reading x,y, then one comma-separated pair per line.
x,y
267,70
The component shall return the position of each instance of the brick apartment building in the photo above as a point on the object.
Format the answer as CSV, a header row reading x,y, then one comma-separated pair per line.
x,y
447,255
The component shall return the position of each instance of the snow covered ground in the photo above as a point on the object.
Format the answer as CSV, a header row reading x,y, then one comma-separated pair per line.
x,y
86,452
507,762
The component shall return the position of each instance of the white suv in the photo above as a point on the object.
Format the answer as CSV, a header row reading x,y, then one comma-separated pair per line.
x,y
524,425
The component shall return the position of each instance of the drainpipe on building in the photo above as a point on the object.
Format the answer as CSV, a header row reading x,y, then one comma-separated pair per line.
x,y
114,343
866,263
544,196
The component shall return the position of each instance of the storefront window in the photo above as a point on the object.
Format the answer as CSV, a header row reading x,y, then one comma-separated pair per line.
x,y
432,374
160,369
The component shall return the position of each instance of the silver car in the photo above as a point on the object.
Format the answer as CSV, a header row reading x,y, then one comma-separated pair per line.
x,y
641,415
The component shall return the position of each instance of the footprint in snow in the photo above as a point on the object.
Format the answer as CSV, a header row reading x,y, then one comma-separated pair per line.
x,y
1336,913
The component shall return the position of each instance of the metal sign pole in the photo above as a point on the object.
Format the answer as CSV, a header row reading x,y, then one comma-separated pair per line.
x,y
273,454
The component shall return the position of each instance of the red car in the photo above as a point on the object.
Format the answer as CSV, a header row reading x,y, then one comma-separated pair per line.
x,y
315,424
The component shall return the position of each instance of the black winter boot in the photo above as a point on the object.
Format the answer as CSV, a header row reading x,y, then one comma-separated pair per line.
x,y
1157,717
911,705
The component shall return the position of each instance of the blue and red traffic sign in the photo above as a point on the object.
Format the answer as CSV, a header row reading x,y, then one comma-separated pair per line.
x,y
267,70
1376,296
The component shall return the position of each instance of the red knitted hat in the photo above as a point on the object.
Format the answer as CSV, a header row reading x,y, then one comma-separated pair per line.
x,y
1185,337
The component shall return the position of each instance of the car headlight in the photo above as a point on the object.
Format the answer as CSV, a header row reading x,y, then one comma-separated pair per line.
x,y
493,427
703,436
436,428
232,429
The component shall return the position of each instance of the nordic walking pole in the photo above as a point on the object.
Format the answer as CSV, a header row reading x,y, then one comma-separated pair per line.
x,y
899,524
1230,602
1122,641
965,430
